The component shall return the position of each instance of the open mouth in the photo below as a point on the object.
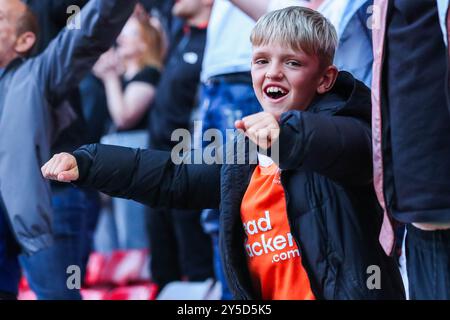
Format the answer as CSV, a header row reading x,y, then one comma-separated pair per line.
x,y
275,92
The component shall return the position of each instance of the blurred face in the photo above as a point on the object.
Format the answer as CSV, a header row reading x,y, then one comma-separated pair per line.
x,y
130,45
10,12
284,78
186,9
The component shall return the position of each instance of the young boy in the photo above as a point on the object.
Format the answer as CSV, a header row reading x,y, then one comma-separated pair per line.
x,y
304,228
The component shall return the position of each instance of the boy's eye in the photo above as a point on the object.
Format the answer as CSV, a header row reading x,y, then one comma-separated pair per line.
x,y
293,63
260,61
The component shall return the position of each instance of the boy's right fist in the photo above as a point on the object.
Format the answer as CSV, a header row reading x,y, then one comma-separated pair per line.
x,y
62,167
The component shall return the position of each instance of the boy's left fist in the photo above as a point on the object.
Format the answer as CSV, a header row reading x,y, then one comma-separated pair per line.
x,y
261,128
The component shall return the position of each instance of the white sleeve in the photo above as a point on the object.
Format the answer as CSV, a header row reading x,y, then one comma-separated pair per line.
x,y
280,4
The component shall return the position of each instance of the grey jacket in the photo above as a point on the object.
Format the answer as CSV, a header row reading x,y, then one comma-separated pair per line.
x,y
32,112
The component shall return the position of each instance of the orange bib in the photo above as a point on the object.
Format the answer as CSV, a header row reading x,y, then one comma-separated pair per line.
x,y
273,257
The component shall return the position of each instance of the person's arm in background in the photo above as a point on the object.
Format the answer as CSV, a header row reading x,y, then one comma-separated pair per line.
x,y
58,10
256,9
74,52
52,18
126,107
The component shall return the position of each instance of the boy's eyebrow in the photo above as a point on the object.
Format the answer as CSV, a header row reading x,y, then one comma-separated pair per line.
x,y
259,51
297,55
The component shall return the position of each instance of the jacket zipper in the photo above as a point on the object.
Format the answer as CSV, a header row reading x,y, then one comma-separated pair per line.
x,y
286,194
244,294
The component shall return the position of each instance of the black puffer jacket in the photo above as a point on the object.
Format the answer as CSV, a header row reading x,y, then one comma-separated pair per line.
x,y
325,154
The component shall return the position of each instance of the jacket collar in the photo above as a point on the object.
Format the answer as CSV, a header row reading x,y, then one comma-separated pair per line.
x,y
346,96
337,97
12,65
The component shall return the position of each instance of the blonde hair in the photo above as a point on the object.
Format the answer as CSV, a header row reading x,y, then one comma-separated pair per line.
x,y
298,28
152,39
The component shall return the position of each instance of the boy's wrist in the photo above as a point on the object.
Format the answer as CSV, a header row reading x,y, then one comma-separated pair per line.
x,y
84,162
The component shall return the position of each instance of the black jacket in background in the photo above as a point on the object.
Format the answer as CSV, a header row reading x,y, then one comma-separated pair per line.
x,y
177,89
325,154
415,105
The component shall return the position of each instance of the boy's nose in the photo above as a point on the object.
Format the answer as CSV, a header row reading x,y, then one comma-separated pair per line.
x,y
274,75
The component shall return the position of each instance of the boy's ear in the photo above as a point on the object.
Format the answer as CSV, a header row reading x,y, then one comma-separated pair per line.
x,y
328,79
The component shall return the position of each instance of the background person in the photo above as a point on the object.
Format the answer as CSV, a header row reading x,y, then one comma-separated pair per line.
x,y
130,74
40,85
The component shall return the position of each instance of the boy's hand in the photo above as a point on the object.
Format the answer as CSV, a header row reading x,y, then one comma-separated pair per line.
x,y
62,167
262,128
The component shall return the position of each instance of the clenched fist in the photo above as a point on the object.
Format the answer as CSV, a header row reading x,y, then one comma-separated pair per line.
x,y
62,167
262,128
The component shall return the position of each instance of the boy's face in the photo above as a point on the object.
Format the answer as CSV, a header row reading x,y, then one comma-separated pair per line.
x,y
284,79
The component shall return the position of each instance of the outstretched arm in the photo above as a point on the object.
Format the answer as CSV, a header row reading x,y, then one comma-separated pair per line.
x,y
147,176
